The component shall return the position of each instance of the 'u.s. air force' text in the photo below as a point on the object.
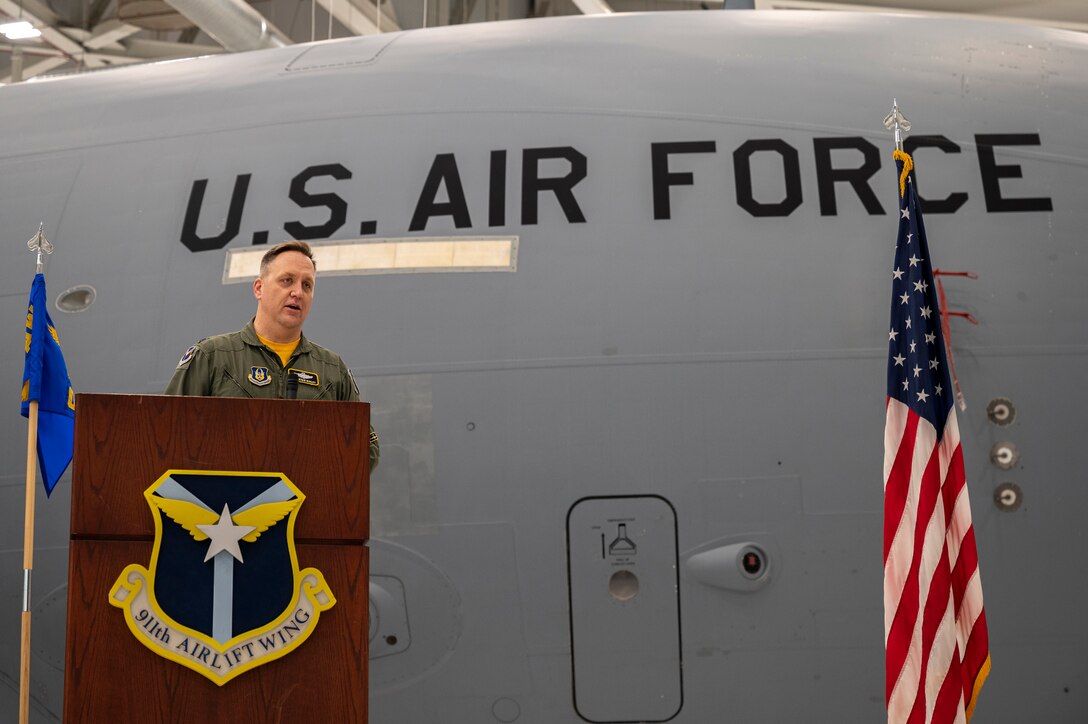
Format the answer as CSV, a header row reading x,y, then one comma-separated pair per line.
x,y
553,174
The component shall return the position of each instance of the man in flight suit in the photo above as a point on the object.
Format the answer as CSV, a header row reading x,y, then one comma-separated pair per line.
x,y
256,361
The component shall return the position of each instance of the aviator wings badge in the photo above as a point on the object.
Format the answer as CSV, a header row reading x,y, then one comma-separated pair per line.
x,y
223,593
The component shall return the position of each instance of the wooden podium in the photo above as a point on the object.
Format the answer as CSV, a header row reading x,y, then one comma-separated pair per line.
x,y
124,444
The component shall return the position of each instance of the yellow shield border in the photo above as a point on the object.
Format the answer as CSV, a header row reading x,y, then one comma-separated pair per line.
x,y
134,589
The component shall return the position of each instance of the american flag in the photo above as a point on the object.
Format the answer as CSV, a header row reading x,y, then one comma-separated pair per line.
x,y
934,623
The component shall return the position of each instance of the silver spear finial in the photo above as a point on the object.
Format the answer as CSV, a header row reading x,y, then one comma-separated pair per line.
x,y
897,121
40,244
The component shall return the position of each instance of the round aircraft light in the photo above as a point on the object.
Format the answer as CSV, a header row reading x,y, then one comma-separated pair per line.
x,y
623,585
76,299
1005,455
1008,497
753,562
1001,411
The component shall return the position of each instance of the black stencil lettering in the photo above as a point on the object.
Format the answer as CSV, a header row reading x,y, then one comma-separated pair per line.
x,y
791,172
443,171
992,173
561,186
189,236
663,179
338,208
949,204
496,198
858,178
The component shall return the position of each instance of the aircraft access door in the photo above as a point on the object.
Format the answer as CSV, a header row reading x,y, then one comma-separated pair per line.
x,y
624,609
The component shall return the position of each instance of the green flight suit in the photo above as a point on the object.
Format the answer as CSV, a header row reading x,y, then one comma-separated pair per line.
x,y
239,365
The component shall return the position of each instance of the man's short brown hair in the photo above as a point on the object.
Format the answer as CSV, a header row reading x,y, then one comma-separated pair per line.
x,y
300,246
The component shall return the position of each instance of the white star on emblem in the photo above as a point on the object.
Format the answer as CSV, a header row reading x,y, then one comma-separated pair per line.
x,y
905,298
906,213
914,260
921,287
906,385
926,311
933,364
930,338
225,535
899,360
898,273
938,390
909,237
892,334
913,345
908,322
922,396
917,369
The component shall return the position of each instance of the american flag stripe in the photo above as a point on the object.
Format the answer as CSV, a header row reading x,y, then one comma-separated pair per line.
x,y
949,705
937,650
923,635
977,659
934,623
909,634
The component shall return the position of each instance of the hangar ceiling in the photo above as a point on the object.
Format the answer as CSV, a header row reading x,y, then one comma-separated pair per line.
x,y
44,37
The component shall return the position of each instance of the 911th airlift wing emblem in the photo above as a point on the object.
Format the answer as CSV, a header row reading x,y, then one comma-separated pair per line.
x,y
221,537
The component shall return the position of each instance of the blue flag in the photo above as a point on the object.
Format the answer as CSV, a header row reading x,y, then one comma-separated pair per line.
x,y
45,379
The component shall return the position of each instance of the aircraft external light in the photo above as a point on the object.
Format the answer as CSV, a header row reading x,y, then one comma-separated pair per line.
x,y
76,299
751,561
390,256
1001,411
1008,497
388,632
741,566
19,30
1005,455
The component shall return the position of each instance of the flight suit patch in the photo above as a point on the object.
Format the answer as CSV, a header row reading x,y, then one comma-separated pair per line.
x,y
306,378
259,376
186,358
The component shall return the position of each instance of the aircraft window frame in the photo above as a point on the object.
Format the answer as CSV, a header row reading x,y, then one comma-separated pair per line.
x,y
404,255
83,294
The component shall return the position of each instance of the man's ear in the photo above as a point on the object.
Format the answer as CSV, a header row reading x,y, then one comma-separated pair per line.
x,y
257,288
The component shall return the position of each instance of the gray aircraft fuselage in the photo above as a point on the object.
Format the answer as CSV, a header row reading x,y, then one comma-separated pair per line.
x,y
685,360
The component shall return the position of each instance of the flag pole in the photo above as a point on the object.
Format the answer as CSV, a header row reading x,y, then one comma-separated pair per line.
x,y
28,566
41,245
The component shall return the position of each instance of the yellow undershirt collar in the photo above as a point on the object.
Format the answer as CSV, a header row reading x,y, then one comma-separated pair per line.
x,y
283,349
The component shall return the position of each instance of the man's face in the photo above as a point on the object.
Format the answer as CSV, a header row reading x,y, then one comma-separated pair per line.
x,y
283,296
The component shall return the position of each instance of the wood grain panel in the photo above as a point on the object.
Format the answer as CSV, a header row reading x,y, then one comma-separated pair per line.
x,y
111,677
125,442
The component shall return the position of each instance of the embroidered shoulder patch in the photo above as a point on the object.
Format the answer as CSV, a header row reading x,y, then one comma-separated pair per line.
x,y
183,363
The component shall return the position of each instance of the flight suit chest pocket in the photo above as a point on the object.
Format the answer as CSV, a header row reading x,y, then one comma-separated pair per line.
x,y
225,385
323,391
